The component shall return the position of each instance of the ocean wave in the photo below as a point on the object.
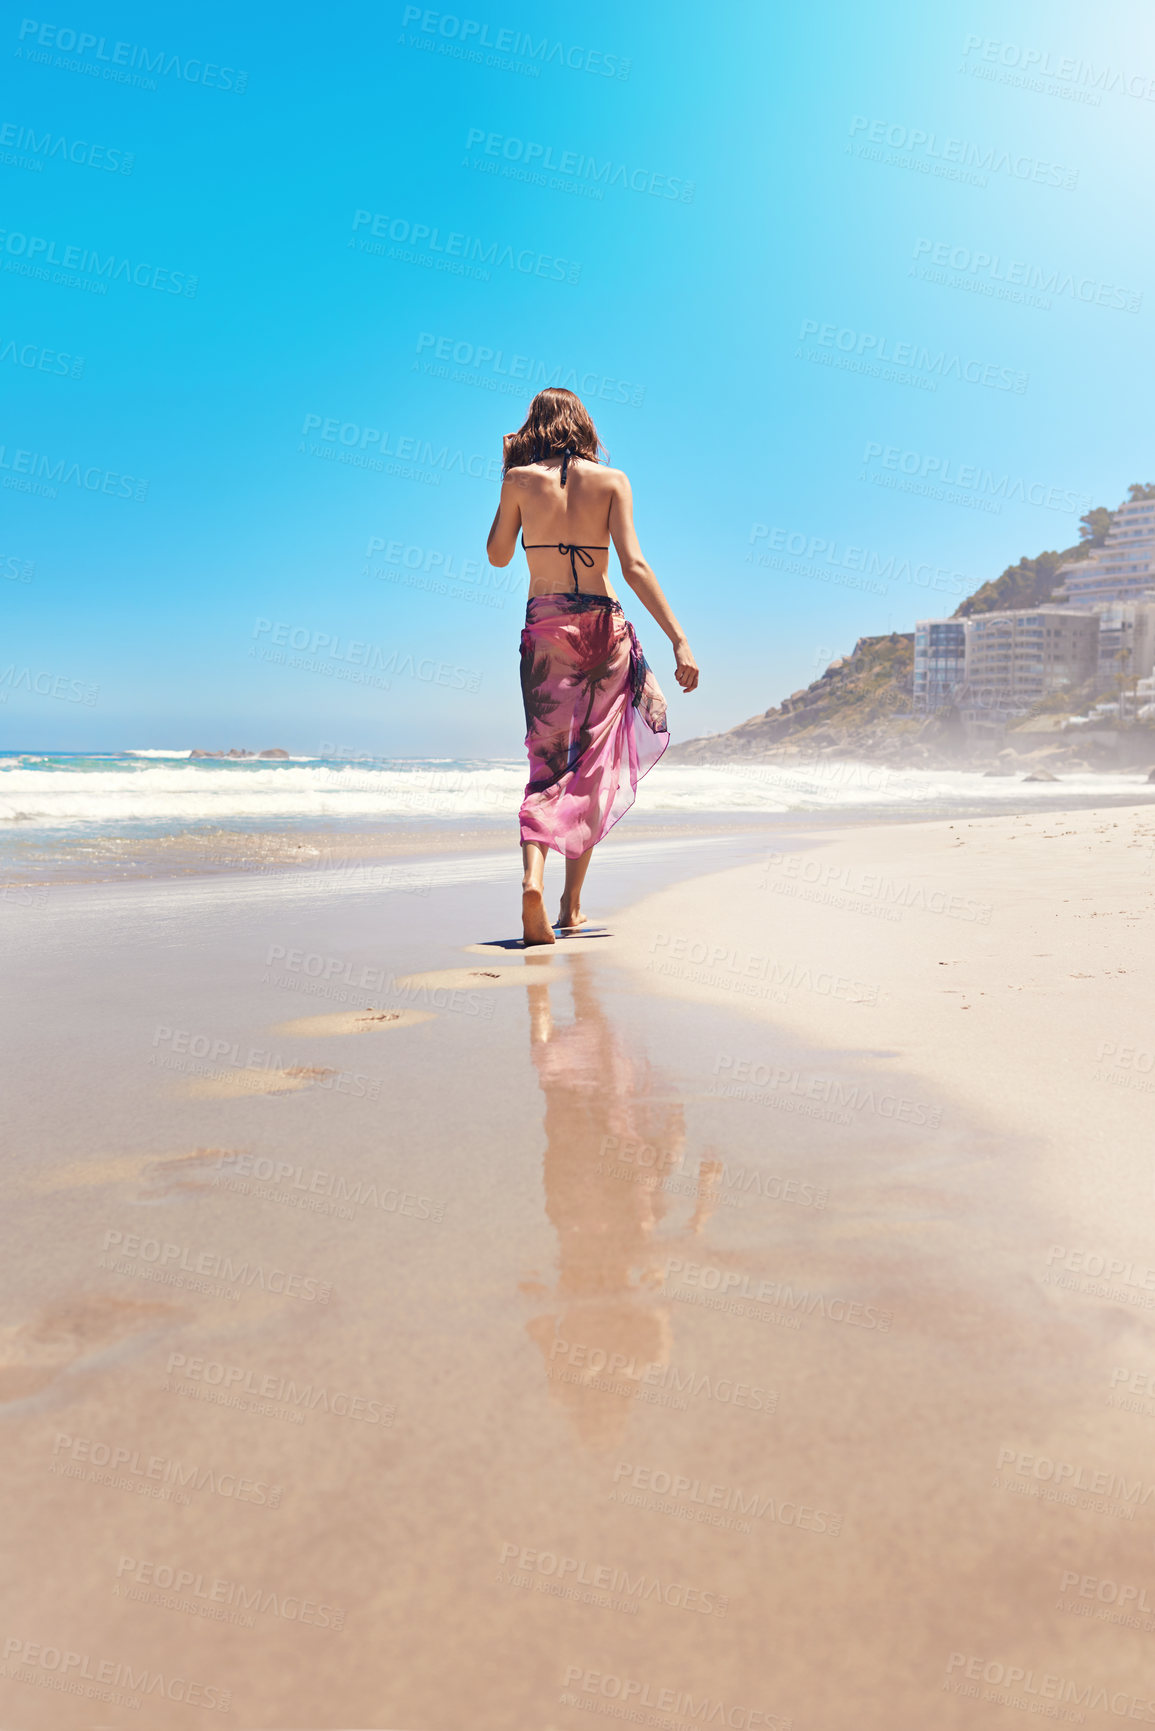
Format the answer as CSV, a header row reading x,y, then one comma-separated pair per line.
x,y
201,792
177,792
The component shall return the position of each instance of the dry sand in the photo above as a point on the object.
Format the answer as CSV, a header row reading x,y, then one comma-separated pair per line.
x,y
747,1320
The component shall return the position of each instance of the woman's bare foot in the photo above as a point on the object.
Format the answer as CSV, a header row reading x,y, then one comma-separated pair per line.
x,y
535,926
569,919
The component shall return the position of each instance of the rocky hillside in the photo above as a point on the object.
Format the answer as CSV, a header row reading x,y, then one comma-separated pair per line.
x,y
859,705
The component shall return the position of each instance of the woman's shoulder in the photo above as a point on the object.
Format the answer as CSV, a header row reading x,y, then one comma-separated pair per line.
x,y
541,476
607,476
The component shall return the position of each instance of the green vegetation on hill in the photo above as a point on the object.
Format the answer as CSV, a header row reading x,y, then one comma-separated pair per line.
x,y
1033,581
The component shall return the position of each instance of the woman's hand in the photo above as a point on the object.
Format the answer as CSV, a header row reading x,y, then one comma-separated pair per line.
x,y
685,667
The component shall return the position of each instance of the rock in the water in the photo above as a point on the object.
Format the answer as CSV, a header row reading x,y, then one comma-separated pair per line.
x,y
206,754
275,752
1040,775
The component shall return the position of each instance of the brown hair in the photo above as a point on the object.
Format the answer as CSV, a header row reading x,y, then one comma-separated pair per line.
x,y
556,424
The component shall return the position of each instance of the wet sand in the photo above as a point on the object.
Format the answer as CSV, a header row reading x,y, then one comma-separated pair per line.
x,y
106,853
736,1316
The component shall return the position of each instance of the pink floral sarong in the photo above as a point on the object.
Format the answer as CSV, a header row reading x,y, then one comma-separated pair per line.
x,y
596,719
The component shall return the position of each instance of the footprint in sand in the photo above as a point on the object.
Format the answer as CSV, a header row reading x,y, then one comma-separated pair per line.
x,y
434,988
239,1084
535,955
354,1022
33,1354
531,973
158,1175
182,1174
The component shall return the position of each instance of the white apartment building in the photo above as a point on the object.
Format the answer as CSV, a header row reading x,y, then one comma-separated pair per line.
x,y
1122,569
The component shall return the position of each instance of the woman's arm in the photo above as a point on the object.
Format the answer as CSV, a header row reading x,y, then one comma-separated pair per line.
x,y
502,542
645,585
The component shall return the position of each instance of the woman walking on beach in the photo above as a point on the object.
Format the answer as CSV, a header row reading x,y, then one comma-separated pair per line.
x,y
595,718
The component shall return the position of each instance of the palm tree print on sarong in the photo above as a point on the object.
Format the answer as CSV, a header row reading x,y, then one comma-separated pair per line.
x,y
595,719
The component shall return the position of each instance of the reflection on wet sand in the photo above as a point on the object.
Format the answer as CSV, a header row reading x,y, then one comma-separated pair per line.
x,y
609,1113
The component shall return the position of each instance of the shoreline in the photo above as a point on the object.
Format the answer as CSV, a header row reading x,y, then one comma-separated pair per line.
x,y
88,855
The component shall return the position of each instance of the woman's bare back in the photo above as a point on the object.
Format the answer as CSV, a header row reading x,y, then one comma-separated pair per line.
x,y
577,515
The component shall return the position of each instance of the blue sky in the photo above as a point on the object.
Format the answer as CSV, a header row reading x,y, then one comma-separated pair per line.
x,y
754,241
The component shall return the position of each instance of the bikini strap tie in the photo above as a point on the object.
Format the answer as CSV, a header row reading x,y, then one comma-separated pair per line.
x,y
575,552
565,461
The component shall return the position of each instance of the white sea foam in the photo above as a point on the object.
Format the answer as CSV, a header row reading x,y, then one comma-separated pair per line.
x,y
140,789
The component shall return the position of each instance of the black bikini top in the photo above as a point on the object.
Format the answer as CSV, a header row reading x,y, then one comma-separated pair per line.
x,y
571,547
